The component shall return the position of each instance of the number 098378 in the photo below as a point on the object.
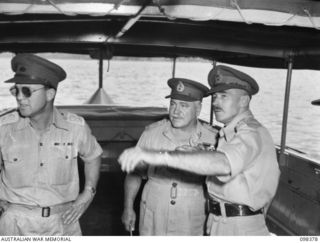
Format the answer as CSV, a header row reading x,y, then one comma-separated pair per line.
x,y
309,238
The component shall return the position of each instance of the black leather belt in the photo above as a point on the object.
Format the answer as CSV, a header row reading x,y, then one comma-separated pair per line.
x,y
231,210
43,211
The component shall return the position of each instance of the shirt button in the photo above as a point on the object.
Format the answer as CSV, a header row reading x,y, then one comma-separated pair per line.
x,y
173,202
41,164
174,184
40,144
67,157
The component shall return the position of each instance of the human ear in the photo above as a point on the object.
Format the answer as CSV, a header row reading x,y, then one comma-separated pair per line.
x,y
198,108
244,100
51,93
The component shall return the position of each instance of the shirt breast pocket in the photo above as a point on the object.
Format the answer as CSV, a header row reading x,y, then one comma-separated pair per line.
x,y
63,167
12,159
17,172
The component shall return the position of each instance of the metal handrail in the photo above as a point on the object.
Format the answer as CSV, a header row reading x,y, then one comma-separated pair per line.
x,y
214,63
282,159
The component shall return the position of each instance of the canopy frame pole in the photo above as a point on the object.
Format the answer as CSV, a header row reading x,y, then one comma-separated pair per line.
x,y
100,96
100,69
282,160
174,67
214,64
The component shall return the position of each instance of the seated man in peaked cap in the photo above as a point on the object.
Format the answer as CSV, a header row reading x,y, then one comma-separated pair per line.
x,y
242,174
39,185
173,201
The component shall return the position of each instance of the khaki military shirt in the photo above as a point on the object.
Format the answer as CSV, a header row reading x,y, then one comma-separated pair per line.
x,y
42,169
254,168
159,137
173,201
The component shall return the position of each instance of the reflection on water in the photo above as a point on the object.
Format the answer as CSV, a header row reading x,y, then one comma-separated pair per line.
x,y
143,83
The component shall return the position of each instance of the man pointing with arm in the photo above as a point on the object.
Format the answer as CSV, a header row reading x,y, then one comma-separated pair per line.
x,y
243,174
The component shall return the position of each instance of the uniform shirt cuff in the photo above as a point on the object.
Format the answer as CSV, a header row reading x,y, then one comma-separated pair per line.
x,y
98,152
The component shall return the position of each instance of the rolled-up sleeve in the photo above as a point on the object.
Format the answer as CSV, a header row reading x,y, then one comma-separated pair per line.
x,y
89,148
240,152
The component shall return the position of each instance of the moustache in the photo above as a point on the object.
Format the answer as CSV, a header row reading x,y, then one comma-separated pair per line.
x,y
217,109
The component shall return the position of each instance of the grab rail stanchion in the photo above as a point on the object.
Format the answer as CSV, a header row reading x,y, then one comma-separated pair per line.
x,y
282,160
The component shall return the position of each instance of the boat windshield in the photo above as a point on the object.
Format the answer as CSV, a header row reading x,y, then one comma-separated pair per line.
x,y
142,82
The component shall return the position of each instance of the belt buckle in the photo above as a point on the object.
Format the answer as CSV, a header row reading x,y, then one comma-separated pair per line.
x,y
217,209
214,207
242,211
45,212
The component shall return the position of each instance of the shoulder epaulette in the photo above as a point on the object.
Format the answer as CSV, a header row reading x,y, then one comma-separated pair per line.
x,y
209,127
248,124
9,117
74,119
157,124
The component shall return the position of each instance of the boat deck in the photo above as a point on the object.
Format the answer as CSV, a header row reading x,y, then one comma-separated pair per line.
x,y
103,217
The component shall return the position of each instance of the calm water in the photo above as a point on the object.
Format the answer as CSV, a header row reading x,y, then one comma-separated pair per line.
x,y
143,83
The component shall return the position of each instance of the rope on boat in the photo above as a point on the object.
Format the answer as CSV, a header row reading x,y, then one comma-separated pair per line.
x,y
234,3
59,9
311,19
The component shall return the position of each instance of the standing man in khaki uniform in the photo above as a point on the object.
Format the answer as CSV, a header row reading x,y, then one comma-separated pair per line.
x,y
173,201
243,174
39,186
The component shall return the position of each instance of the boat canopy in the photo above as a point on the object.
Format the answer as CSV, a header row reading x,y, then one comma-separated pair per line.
x,y
302,13
257,33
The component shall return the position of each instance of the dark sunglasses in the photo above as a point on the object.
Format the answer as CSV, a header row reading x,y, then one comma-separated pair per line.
x,y
26,91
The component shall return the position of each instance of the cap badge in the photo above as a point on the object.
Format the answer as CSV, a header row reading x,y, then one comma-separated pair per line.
x,y
180,87
218,77
22,69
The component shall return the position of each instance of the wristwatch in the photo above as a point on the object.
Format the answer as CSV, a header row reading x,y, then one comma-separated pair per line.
x,y
91,189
